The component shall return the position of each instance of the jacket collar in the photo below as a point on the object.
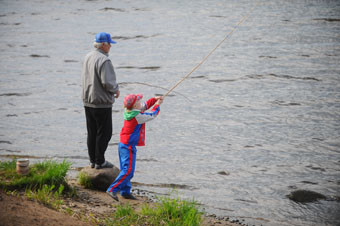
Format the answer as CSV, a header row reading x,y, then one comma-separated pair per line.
x,y
101,51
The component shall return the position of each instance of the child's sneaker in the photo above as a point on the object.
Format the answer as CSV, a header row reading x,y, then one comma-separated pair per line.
x,y
92,165
113,195
106,164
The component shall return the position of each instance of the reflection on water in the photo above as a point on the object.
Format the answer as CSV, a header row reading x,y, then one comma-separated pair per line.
x,y
255,123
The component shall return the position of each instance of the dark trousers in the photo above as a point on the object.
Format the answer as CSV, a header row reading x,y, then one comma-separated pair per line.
x,y
99,132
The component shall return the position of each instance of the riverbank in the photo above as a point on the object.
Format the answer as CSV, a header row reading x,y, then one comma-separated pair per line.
x,y
89,207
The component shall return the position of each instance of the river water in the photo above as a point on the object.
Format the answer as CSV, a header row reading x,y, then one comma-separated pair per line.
x,y
257,121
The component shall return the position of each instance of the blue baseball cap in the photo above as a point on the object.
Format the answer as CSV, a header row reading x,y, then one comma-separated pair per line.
x,y
104,37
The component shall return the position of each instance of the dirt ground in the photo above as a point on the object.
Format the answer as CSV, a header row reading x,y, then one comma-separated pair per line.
x,y
18,211
85,210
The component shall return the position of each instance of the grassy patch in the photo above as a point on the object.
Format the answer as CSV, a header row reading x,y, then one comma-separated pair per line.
x,y
47,172
84,180
166,212
45,181
47,195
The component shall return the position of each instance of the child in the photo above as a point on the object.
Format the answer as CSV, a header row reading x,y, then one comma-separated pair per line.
x,y
132,135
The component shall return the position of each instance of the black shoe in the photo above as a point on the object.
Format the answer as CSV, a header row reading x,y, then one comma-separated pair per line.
x,y
113,195
106,164
92,165
129,196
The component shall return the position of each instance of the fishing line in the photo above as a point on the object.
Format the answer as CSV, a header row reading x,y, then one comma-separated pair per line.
x,y
150,85
212,51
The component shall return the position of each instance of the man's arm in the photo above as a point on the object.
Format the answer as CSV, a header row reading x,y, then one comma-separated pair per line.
x,y
108,78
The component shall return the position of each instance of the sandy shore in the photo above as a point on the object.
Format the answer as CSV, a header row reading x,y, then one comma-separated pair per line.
x,y
86,209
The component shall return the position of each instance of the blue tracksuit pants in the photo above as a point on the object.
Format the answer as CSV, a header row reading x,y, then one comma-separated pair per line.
x,y
127,158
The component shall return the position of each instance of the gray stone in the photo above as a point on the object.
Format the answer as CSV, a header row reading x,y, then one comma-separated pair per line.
x,y
224,173
101,179
304,196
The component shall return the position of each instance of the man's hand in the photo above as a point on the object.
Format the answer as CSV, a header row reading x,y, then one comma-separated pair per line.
x,y
117,94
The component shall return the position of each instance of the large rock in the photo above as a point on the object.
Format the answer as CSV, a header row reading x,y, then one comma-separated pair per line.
x,y
101,179
305,196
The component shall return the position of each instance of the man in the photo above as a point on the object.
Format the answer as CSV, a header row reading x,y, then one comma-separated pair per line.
x,y
99,90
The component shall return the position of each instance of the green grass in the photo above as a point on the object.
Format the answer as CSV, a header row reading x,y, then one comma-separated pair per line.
x,y
47,172
167,211
45,181
84,180
47,195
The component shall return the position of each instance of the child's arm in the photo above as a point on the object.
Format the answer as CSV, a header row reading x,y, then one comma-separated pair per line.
x,y
149,103
144,117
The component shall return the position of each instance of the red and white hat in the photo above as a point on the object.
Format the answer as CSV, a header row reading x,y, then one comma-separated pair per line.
x,y
131,99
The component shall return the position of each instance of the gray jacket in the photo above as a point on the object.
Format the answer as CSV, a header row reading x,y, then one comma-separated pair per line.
x,y
98,80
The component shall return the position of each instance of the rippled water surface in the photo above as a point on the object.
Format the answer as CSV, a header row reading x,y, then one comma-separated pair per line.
x,y
259,120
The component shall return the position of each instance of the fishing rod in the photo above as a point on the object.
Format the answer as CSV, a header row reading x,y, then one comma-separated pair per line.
x,y
212,51
150,85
